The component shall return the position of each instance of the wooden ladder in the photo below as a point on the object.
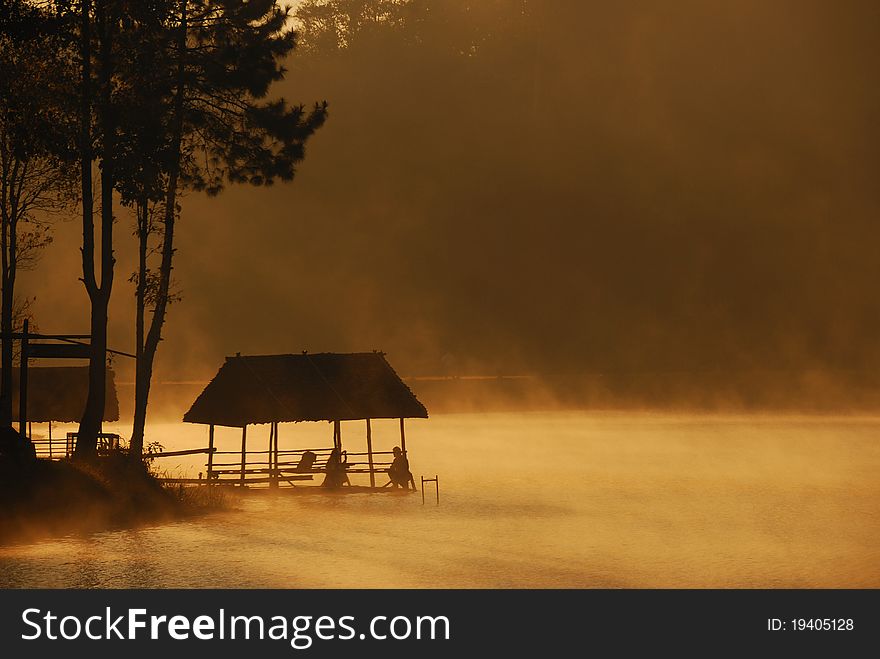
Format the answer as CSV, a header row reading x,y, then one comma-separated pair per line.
x,y
436,481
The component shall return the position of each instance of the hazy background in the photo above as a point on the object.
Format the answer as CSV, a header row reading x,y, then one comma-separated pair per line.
x,y
662,196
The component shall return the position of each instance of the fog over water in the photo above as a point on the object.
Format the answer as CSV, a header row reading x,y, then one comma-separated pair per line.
x,y
527,500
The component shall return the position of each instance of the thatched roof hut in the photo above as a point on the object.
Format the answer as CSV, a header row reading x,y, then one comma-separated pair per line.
x,y
276,389
304,387
58,393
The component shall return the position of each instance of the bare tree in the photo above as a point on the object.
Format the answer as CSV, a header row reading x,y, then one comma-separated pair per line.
x,y
35,185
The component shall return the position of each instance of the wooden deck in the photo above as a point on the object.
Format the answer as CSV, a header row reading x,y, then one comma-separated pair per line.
x,y
272,468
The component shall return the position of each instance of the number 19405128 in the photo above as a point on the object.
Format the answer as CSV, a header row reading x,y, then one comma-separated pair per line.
x,y
810,624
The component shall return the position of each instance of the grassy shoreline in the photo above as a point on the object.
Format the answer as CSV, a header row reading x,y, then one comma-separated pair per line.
x,y
39,498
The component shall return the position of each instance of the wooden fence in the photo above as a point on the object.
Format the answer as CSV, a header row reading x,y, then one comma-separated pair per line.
x,y
271,468
275,468
62,448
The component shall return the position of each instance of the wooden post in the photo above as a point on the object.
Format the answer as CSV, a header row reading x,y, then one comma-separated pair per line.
x,y
337,434
210,454
436,481
276,454
243,454
273,466
402,438
269,449
370,454
50,440
22,382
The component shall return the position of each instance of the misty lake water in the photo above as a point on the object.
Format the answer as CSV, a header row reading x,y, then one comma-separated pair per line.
x,y
527,500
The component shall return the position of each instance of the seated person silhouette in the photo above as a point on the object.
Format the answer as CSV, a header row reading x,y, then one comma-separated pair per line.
x,y
398,472
306,461
335,468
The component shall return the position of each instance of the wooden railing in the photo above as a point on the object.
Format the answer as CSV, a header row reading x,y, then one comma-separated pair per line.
x,y
262,467
57,448
258,466
62,448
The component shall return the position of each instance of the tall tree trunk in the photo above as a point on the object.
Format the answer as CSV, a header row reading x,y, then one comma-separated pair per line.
x,y
6,356
7,304
87,441
9,214
7,281
144,373
93,415
141,380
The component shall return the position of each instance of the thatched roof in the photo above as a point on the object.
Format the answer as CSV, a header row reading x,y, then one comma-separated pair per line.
x,y
305,387
58,393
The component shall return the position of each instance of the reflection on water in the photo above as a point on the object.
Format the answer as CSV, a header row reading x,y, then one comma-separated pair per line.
x,y
527,500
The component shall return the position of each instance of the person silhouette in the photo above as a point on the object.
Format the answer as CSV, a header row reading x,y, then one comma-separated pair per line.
x,y
398,472
335,469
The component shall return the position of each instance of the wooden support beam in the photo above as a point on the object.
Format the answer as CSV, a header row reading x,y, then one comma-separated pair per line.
x,y
402,437
370,454
337,434
211,453
273,455
182,481
275,459
269,449
233,483
243,452
50,440
22,381
189,451
59,337
59,351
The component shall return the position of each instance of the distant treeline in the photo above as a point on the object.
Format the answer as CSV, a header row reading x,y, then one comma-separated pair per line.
x,y
723,392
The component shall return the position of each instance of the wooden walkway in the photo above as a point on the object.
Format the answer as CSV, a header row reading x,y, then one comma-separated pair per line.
x,y
271,468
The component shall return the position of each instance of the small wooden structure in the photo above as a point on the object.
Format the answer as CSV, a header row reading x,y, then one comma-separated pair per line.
x,y
57,394
50,394
274,389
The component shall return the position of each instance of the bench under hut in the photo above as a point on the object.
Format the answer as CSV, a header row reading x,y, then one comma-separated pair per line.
x,y
57,394
274,389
